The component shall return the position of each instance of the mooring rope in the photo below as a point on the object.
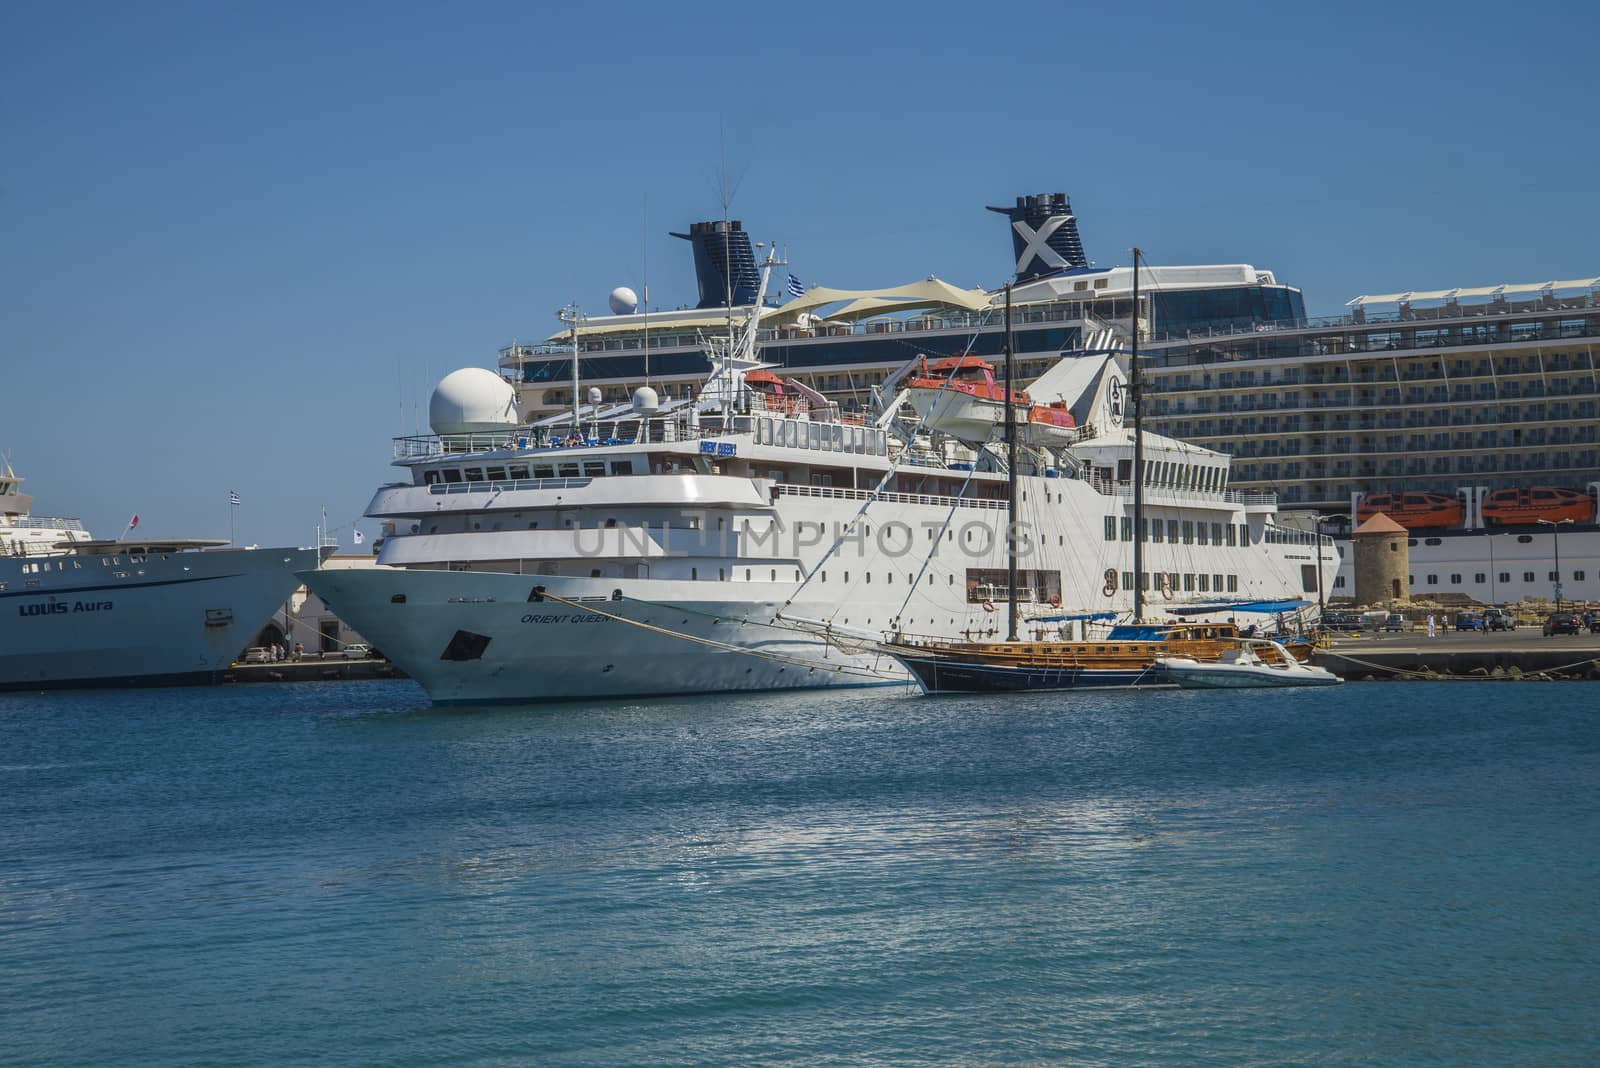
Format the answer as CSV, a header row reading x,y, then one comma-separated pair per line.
x,y
726,647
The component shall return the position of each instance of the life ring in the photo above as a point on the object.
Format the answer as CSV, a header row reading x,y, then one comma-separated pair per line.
x,y
1110,588
1055,600
1166,585
988,606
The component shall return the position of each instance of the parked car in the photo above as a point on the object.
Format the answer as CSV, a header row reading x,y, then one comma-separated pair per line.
x,y
1561,623
1498,619
1469,621
1394,621
1341,621
357,651
256,654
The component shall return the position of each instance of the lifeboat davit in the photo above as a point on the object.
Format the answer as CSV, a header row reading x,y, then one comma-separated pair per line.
x,y
959,396
1414,511
1524,505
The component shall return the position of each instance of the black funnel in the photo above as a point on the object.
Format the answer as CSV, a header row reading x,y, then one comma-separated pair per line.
x,y
1044,235
724,263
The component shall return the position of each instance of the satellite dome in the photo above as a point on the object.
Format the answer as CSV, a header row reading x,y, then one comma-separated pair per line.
x,y
471,400
645,401
624,301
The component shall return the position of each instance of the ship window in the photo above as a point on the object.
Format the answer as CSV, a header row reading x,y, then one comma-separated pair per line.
x,y
1188,532
1433,541
774,574
1188,582
474,474
451,474
747,574
1172,531
1157,528
594,468
694,572
1216,534
621,467
1233,583
1244,534
1111,528
1203,582
544,471
430,477
519,471
1338,582
1216,583
497,474
569,470
1127,528
1200,534
1127,580
1524,539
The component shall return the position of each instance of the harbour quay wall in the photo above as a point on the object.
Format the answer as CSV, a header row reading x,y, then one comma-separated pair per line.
x,y
312,671
1522,654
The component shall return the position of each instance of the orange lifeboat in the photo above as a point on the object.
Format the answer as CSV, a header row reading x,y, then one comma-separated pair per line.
x,y
1524,505
773,394
958,395
1414,511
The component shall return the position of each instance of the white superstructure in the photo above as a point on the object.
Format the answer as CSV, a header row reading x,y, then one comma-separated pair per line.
x,y
80,612
706,545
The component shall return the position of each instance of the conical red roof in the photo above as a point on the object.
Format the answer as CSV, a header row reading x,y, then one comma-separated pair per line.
x,y
1380,524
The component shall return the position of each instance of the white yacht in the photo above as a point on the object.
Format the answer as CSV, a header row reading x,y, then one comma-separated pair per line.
x,y
742,539
77,612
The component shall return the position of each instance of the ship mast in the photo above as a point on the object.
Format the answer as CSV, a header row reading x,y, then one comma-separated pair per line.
x,y
1135,387
1011,491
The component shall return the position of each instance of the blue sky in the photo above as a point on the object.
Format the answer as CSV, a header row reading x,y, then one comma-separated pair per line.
x,y
237,241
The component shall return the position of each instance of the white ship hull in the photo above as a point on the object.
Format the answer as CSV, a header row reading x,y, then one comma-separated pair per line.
x,y
171,618
661,638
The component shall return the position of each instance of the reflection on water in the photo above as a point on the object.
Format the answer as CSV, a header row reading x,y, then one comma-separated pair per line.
x,y
295,873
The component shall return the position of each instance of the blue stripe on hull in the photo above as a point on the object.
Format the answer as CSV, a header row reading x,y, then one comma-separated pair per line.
x,y
943,676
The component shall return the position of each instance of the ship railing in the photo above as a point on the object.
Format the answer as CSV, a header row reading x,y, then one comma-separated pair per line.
x,y
840,493
39,522
1173,495
449,489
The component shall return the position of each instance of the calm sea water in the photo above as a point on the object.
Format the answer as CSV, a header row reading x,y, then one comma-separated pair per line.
x,y
1388,874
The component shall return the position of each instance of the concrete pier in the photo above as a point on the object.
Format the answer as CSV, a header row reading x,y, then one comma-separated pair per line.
x,y
312,671
1520,654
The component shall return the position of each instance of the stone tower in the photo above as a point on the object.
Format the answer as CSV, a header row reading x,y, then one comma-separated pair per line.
x,y
1383,561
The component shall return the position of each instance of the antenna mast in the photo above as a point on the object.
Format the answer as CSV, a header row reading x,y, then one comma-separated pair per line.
x,y
1135,389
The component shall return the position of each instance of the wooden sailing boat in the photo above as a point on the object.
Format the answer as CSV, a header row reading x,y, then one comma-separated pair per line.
x,y
1128,657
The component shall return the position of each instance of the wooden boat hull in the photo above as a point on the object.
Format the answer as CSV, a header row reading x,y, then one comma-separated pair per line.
x,y
939,675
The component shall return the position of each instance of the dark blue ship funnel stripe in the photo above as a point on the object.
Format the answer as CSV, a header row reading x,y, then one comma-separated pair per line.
x,y
723,255
1044,235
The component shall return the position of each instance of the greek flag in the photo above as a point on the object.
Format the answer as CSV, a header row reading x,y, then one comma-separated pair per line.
x,y
360,537
797,288
233,498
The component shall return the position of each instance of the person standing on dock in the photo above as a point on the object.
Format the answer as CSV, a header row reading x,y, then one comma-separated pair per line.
x,y
1432,632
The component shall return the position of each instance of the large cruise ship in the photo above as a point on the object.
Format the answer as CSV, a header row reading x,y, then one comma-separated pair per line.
x,y
1486,396
755,537
80,612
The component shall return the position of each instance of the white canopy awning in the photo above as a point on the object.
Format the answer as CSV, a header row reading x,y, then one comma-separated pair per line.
x,y
862,303
1481,291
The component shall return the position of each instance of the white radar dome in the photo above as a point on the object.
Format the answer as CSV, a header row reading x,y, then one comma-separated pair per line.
x,y
645,401
471,400
624,301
